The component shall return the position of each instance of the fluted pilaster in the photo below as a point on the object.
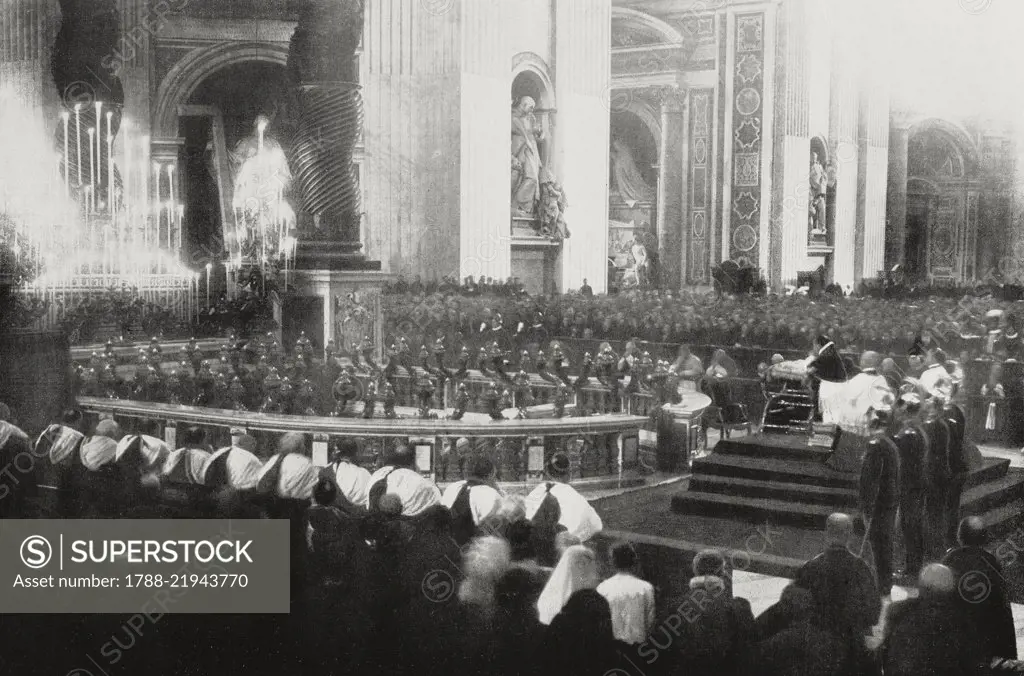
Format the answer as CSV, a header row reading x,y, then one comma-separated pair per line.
x,y
410,173
486,118
872,177
672,222
843,133
582,80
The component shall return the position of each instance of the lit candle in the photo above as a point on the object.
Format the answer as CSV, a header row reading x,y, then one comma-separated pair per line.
x,y
78,140
172,208
110,164
92,159
156,200
67,158
99,142
127,169
209,266
181,220
261,127
144,177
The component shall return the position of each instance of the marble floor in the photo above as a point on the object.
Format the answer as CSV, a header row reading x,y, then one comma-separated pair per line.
x,y
763,591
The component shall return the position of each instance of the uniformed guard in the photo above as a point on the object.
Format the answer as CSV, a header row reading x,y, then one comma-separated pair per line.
x,y
938,480
879,498
959,467
912,444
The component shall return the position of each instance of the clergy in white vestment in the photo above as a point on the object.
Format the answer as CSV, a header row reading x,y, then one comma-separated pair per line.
x,y
935,382
630,598
866,392
575,515
288,475
400,478
233,467
472,500
352,480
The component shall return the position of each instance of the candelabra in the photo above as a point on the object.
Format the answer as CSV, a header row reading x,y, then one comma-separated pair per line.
x,y
441,373
559,376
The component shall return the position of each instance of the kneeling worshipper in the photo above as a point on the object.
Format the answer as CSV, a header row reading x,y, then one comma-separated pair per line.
x,y
555,506
288,475
473,500
145,452
400,478
60,444
353,481
13,442
187,464
232,467
101,448
576,570
61,441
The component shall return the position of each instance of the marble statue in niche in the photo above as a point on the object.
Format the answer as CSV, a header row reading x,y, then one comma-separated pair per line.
x,y
628,180
536,194
525,158
818,191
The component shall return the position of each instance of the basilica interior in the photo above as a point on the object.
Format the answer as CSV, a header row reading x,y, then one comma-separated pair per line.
x,y
739,283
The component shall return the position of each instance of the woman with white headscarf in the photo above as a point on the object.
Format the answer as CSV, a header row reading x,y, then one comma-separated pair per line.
x,y
576,570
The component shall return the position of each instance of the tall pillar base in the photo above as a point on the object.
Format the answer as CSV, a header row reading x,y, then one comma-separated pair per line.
x,y
332,255
343,306
535,263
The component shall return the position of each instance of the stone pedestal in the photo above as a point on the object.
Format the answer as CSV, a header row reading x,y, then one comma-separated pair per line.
x,y
347,304
535,262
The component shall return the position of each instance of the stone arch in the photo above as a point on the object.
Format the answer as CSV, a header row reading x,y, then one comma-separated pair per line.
x,y
651,30
183,78
959,139
529,62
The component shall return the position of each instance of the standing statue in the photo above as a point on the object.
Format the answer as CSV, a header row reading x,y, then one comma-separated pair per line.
x,y
637,274
525,158
628,180
552,208
818,190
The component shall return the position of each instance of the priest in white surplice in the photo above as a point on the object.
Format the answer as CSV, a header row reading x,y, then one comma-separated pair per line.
x,y
868,391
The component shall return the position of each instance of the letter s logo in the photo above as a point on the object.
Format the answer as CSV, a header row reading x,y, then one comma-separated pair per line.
x,y
36,551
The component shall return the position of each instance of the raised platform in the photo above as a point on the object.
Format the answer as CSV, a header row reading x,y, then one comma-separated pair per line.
x,y
781,480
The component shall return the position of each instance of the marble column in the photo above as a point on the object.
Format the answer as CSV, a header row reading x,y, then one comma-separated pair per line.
x,y
671,190
843,130
485,195
791,195
872,175
896,201
582,79
410,176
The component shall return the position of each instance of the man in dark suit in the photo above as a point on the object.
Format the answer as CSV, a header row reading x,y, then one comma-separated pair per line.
x,y
843,586
984,598
938,480
928,634
879,498
912,444
959,467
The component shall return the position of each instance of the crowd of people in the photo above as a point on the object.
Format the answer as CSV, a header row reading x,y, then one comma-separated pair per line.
x,y
468,312
390,574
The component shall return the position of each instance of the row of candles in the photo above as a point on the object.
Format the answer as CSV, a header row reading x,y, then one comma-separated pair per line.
x,y
169,213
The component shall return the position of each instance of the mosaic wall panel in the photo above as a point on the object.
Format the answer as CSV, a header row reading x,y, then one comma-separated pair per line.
x,y
701,128
747,145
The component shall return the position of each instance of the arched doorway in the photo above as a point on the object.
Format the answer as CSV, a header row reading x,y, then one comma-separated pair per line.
x,y
942,200
633,193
